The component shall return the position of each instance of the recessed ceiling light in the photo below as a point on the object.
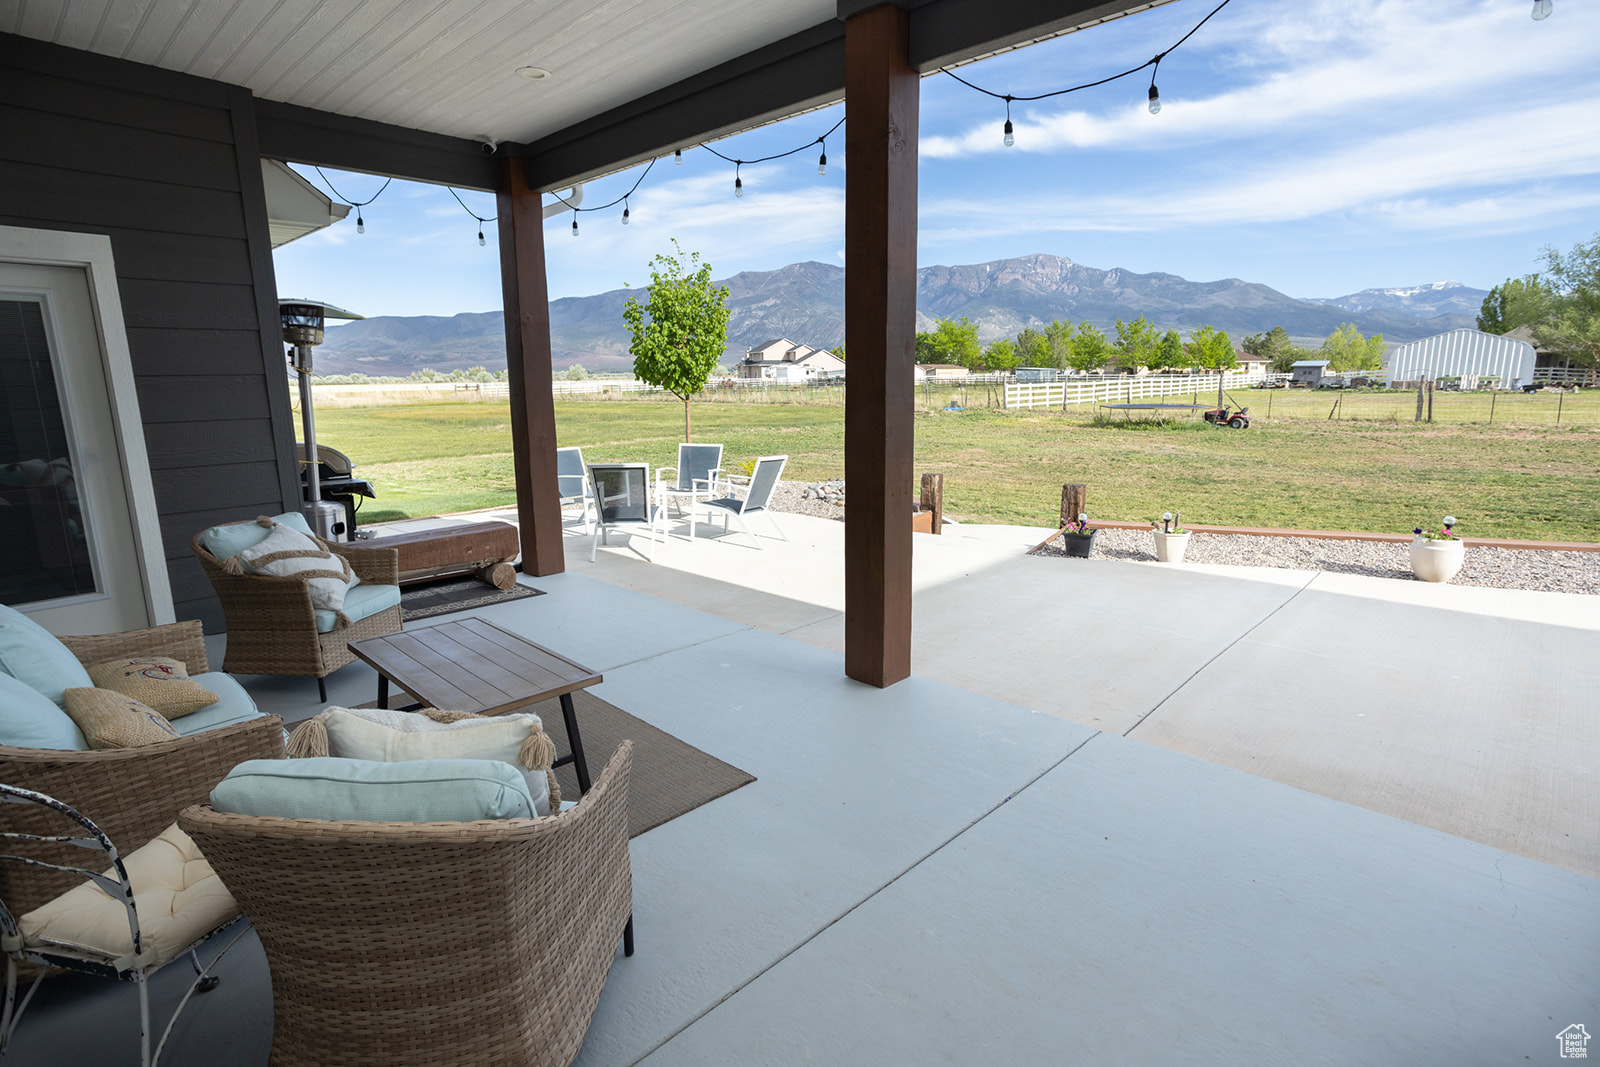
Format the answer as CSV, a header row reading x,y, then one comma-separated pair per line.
x,y
533,74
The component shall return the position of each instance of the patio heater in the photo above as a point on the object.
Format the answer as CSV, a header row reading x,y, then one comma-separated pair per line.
x,y
302,331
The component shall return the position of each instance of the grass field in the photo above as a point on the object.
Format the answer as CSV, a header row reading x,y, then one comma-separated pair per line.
x,y
1371,468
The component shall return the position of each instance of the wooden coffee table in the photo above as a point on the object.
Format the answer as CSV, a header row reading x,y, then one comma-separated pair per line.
x,y
472,665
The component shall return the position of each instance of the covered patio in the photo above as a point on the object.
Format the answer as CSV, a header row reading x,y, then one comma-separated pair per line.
x,y
931,873
1006,809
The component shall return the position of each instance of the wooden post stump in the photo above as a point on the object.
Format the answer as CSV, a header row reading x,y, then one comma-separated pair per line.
x,y
933,501
1074,501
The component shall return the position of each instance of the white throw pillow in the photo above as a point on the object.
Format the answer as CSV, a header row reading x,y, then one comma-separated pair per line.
x,y
288,553
401,736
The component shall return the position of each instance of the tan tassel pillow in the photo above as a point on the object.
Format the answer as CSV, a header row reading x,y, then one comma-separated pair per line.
x,y
288,553
110,719
155,681
400,736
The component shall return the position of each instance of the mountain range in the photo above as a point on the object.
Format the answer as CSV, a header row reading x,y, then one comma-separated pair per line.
x,y
805,303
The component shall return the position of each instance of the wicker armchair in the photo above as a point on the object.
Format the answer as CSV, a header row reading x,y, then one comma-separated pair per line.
x,y
270,621
427,943
131,793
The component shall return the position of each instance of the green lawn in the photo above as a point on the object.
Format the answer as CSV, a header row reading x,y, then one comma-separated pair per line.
x,y
1372,469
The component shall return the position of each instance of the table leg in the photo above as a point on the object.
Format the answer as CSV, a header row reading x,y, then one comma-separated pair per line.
x,y
579,764
383,690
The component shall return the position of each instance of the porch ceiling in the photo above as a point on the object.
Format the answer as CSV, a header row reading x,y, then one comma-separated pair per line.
x,y
685,69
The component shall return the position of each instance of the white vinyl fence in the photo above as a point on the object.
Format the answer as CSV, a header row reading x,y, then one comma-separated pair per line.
x,y
1124,388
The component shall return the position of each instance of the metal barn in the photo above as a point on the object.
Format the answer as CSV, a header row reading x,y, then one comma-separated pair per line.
x,y
1463,354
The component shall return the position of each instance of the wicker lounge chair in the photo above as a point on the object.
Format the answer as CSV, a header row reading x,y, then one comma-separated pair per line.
x,y
131,793
428,943
272,627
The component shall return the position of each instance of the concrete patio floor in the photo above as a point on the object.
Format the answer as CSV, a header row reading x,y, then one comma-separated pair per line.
x,y
976,864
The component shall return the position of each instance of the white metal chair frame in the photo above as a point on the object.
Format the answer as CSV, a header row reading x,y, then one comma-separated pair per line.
x,y
118,888
573,485
763,480
684,486
654,516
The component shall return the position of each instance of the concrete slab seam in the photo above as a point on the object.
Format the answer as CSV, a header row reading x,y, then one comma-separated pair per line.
x,y
682,648
1220,653
730,994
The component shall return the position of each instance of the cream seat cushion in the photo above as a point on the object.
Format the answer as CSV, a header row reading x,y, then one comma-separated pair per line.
x,y
178,897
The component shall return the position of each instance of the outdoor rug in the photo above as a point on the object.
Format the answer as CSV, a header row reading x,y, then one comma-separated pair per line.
x,y
456,594
670,777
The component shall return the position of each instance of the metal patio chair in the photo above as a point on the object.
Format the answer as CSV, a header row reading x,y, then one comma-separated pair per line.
x,y
763,480
572,481
622,497
694,479
184,903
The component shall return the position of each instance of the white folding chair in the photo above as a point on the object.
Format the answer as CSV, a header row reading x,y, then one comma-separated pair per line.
x,y
622,497
763,480
572,481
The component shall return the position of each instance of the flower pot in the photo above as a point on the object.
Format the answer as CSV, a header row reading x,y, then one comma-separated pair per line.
x,y
1171,546
1437,561
1076,544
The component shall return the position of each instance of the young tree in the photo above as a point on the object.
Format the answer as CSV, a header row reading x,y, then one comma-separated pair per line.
x,y
1573,325
1033,349
1001,356
1169,353
576,373
1090,349
1058,337
1212,350
955,341
1273,346
1515,302
1346,349
1137,344
681,331
925,351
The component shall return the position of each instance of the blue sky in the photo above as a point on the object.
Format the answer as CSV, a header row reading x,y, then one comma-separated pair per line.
x,y
1319,147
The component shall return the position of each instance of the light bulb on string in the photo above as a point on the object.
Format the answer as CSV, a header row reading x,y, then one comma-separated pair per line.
x,y
574,223
1155,100
1010,138
481,241
738,183
1542,9
624,211
677,157
822,161
361,223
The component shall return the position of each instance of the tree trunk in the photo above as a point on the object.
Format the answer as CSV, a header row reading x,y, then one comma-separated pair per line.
x,y
686,438
1219,390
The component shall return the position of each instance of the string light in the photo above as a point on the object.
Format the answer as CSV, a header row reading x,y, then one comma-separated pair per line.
x,y
1153,62
624,211
1542,9
677,157
474,214
361,223
738,182
822,160
574,222
623,200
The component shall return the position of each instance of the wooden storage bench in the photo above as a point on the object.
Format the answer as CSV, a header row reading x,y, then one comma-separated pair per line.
x,y
486,549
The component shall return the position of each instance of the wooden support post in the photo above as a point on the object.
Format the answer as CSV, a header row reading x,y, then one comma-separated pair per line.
x,y
1074,501
533,416
881,90
933,500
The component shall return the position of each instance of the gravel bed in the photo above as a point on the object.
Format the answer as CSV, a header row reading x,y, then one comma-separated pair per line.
x,y
790,497
1501,568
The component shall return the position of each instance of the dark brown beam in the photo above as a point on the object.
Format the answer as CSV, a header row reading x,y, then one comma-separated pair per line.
x,y
320,138
880,256
533,414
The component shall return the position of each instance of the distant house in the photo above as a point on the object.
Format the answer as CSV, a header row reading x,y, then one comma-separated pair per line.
x,y
940,372
1308,372
782,360
1463,354
1250,363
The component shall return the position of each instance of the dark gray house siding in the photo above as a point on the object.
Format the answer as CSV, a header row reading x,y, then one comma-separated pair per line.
x,y
168,166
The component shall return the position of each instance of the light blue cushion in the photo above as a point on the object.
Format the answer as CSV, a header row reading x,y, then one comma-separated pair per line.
x,y
32,655
29,720
233,705
235,537
325,787
359,602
